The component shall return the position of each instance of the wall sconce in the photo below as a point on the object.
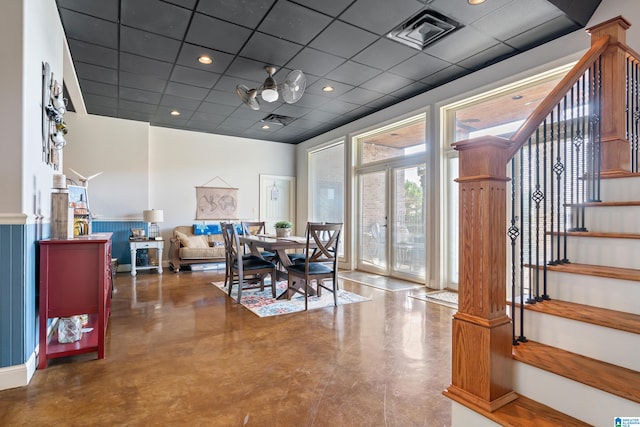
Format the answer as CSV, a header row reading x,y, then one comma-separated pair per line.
x,y
275,193
153,217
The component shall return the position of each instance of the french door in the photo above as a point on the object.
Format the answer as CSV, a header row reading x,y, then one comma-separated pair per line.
x,y
392,221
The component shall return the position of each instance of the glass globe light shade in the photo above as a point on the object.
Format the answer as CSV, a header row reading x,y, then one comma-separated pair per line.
x,y
270,95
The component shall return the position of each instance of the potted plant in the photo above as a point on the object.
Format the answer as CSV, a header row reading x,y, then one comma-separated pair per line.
x,y
283,228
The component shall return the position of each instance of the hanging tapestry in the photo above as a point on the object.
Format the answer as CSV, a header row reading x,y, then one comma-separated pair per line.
x,y
216,203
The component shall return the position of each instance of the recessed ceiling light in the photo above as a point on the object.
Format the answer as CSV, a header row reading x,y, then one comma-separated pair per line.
x,y
204,59
175,113
328,89
265,126
476,1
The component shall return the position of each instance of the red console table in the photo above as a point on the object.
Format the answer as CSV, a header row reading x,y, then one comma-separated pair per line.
x,y
75,278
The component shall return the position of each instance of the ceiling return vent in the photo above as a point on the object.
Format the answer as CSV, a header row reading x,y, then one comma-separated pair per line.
x,y
423,29
277,119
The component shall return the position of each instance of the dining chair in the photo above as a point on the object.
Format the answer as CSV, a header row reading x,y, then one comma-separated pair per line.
x,y
258,227
320,264
299,257
250,270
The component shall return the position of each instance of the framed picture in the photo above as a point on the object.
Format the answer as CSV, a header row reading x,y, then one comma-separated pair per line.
x,y
78,197
216,203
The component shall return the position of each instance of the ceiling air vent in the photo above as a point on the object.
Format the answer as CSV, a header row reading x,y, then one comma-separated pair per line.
x,y
422,29
277,119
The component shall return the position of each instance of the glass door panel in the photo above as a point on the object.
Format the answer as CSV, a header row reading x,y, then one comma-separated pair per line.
x,y
409,219
372,251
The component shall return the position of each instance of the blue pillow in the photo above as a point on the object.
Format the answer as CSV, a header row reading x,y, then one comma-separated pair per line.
x,y
206,229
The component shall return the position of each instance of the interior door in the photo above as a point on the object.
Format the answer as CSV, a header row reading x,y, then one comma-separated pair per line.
x,y
277,200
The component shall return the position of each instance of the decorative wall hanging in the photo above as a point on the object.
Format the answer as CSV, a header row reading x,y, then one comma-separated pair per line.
x,y
54,105
216,203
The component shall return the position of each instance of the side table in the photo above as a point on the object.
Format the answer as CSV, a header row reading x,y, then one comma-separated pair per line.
x,y
134,245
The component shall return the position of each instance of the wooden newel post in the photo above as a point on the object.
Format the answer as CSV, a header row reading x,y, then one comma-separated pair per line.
x,y
614,143
482,336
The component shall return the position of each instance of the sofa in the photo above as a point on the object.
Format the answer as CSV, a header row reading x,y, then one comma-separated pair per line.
x,y
196,244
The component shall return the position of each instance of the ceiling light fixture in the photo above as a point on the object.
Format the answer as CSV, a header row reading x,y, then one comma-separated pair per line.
x,y
291,90
269,87
474,2
175,113
204,59
328,89
265,126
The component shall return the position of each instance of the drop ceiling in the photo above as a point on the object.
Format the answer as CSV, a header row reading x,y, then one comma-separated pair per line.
x,y
137,59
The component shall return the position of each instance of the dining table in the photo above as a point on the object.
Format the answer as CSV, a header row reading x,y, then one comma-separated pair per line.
x,y
279,245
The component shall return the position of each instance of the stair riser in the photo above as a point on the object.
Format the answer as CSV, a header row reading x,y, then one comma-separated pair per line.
x,y
620,189
603,251
613,219
604,292
585,403
597,342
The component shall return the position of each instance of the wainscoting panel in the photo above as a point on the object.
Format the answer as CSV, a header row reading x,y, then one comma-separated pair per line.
x,y
121,231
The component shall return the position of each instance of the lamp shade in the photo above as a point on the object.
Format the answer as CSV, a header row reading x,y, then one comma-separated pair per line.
x,y
153,215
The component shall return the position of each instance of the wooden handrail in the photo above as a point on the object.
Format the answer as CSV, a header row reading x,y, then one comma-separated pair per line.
x,y
556,95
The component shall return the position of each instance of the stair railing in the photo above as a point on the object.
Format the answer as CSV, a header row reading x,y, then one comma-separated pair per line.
x,y
581,131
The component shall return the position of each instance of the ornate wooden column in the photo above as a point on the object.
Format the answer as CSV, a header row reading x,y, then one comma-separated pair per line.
x,y
482,336
615,146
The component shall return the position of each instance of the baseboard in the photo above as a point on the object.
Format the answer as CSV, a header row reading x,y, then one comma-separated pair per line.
x,y
18,375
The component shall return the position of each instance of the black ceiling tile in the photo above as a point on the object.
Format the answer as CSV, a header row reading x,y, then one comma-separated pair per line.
x,y
142,81
208,117
321,116
101,101
305,124
419,66
228,83
216,34
315,62
384,102
137,106
96,73
270,50
104,9
102,110
186,91
487,57
291,110
578,12
248,72
360,96
149,45
293,22
352,73
141,65
238,123
189,55
310,100
555,28
191,76
134,115
97,88
330,7
464,13
384,54
360,112
139,95
509,21
223,97
338,88
411,90
205,127
92,54
246,12
164,113
339,106
386,83
219,109
89,29
189,4
248,114
380,16
164,117
460,44
172,101
444,76
155,16
343,39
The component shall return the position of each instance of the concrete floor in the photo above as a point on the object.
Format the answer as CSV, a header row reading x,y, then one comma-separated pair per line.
x,y
180,352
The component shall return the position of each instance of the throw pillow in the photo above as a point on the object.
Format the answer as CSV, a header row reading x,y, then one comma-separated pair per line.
x,y
192,241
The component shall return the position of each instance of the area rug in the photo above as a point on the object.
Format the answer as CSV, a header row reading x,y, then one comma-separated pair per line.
x,y
446,298
263,304
377,281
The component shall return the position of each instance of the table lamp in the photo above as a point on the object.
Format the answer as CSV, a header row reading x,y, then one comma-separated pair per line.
x,y
153,217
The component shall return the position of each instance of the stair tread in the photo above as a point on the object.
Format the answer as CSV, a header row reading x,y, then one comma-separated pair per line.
x,y
524,412
616,380
597,270
608,318
599,234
